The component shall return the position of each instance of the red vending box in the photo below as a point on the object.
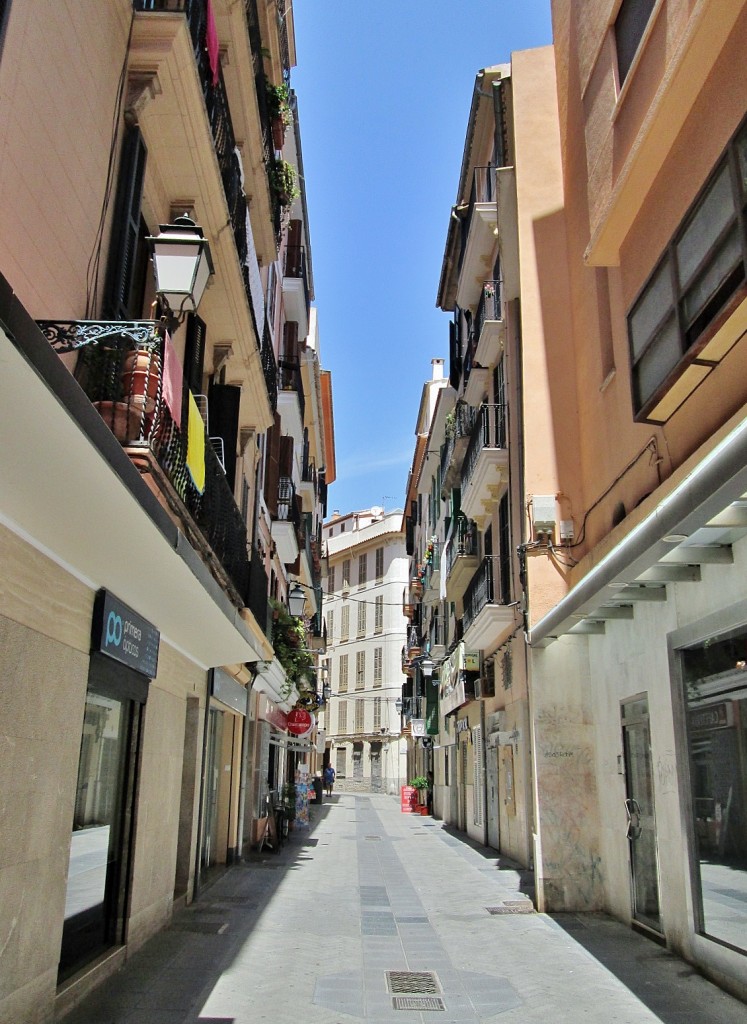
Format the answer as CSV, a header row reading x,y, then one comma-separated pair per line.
x,y
409,799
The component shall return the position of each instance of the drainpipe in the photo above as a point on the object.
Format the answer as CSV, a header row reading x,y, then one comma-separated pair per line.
x,y
719,479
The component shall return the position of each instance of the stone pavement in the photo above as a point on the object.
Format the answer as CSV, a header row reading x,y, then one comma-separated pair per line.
x,y
386,917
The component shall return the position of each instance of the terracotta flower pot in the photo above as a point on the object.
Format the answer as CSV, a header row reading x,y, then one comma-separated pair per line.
x,y
122,420
278,132
141,377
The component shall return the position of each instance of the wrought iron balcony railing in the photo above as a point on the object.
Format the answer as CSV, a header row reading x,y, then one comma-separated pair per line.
x,y
295,267
287,504
120,369
484,588
459,425
224,141
489,306
489,432
462,541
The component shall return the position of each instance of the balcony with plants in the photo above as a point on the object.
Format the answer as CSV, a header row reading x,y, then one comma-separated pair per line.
x,y
488,619
477,243
431,571
120,367
460,556
485,468
489,325
179,99
457,432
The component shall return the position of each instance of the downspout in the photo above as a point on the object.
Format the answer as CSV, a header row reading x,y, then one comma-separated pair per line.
x,y
719,479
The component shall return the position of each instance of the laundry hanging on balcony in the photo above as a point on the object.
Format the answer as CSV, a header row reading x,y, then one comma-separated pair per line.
x,y
173,376
195,444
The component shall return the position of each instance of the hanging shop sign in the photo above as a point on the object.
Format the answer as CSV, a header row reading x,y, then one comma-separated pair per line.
x,y
120,633
300,722
418,726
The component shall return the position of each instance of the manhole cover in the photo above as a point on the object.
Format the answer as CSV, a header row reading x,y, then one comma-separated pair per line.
x,y
525,908
420,983
418,1003
373,838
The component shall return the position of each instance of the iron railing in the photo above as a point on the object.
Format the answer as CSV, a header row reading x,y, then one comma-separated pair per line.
x,y
483,589
489,432
489,306
269,367
483,190
458,426
224,140
289,379
120,369
296,268
287,504
258,63
462,541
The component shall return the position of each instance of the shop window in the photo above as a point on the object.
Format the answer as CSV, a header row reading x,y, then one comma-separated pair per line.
x,y
692,292
630,24
714,675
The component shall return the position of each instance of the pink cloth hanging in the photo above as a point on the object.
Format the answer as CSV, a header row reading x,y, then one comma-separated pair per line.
x,y
173,376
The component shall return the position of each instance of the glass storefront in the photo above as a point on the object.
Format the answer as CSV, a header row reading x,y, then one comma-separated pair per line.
x,y
715,679
99,847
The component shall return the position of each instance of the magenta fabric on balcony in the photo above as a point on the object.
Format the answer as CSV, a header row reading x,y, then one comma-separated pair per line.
x,y
211,39
173,375
195,445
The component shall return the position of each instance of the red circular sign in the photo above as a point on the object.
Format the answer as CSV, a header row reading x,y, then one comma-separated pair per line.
x,y
300,722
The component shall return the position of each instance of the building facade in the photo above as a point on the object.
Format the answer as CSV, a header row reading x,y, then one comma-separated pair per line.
x,y
366,569
138,550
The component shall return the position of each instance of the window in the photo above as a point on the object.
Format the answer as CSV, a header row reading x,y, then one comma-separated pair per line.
x,y
379,614
341,758
378,662
360,670
379,565
342,716
331,579
343,682
691,293
377,713
361,619
331,626
362,569
360,712
630,24
345,627
346,574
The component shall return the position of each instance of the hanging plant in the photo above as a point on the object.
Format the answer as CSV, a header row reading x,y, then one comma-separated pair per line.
x,y
289,642
278,103
284,182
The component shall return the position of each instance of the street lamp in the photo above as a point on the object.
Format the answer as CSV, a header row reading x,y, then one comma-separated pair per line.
x,y
398,705
426,666
182,265
296,601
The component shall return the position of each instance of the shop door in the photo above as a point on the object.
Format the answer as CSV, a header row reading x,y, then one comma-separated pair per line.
x,y
101,841
376,767
463,772
212,789
639,806
491,760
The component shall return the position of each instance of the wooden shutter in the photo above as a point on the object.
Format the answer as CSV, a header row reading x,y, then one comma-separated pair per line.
x,y
121,278
194,353
272,467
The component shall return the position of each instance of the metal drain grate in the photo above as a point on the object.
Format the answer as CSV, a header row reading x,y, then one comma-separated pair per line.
x,y
413,983
373,838
516,908
418,1003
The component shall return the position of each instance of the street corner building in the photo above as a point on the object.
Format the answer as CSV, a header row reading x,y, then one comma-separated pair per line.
x,y
577,503
163,470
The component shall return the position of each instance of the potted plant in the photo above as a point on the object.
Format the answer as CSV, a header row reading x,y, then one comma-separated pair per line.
x,y
278,107
284,182
291,649
421,784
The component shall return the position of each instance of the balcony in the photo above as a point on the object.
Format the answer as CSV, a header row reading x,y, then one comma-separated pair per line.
x,y
119,367
478,239
432,578
291,403
460,553
485,467
296,299
286,528
308,486
188,129
489,325
487,621
437,637
459,426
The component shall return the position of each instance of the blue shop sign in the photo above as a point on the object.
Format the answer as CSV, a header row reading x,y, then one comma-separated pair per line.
x,y
123,635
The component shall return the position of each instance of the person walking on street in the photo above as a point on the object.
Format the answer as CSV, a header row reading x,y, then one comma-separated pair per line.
x,y
329,779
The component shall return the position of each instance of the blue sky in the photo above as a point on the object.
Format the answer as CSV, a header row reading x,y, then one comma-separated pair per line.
x,y
384,90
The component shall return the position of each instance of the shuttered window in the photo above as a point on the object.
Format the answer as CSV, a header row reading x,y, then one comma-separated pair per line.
x,y
343,673
377,670
127,262
360,670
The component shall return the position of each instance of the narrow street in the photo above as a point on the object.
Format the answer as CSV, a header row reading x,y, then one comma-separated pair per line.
x,y
375,915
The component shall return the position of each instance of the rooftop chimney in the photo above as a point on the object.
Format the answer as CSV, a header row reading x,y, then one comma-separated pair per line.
x,y
438,369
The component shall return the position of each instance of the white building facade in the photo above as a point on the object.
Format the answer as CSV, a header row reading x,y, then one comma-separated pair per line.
x,y
367,570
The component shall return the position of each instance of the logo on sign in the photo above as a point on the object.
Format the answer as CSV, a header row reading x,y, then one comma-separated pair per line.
x,y
300,722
